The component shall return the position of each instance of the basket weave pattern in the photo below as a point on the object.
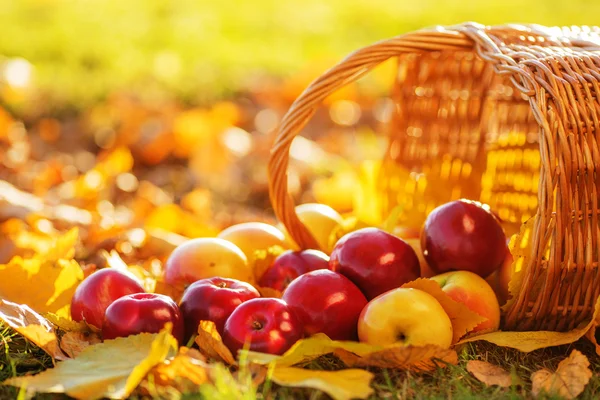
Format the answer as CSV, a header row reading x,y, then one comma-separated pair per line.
x,y
508,115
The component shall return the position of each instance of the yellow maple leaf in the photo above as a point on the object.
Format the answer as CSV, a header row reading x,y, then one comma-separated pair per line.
x,y
111,369
73,343
569,380
210,343
534,340
46,282
356,354
340,385
263,259
489,374
462,318
32,326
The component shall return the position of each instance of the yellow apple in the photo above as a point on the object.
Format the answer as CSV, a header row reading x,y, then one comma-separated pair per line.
x,y
320,220
201,258
474,292
406,316
252,236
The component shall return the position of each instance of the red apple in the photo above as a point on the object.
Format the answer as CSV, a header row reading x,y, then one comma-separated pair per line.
x,y
375,261
213,299
206,258
474,292
290,265
267,325
98,291
326,302
463,235
142,312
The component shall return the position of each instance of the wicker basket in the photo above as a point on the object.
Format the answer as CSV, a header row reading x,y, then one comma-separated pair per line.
x,y
508,115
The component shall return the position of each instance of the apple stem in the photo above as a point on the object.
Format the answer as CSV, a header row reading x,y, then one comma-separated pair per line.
x,y
401,337
257,326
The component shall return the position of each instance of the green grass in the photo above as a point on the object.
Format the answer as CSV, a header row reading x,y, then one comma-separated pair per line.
x,y
198,50
453,382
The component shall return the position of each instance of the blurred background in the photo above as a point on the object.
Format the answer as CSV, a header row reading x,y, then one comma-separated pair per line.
x,y
154,112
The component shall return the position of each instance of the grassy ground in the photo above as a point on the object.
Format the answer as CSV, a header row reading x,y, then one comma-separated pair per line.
x,y
453,382
199,49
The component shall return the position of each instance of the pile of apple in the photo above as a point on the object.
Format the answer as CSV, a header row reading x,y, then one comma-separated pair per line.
x,y
355,293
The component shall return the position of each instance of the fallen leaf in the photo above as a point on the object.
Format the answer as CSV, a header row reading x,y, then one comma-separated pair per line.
x,y
187,370
349,224
569,380
340,385
534,340
32,326
269,292
73,343
67,324
356,354
209,341
593,327
520,249
489,374
415,358
263,259
111,369
46,282
114,260
462,318
163,287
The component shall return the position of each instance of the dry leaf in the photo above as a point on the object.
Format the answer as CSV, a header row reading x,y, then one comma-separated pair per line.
x,y
67,324
263,259
163,287
187,370
32,326
569,380
415,358
591,333
520,248
269,292
340,385
209,341
111,369
489,374
462,318
73,343
46,282
349,224
530,341
114,260
357,354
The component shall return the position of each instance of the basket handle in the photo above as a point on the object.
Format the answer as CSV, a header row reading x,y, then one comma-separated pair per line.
x,y
347,71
